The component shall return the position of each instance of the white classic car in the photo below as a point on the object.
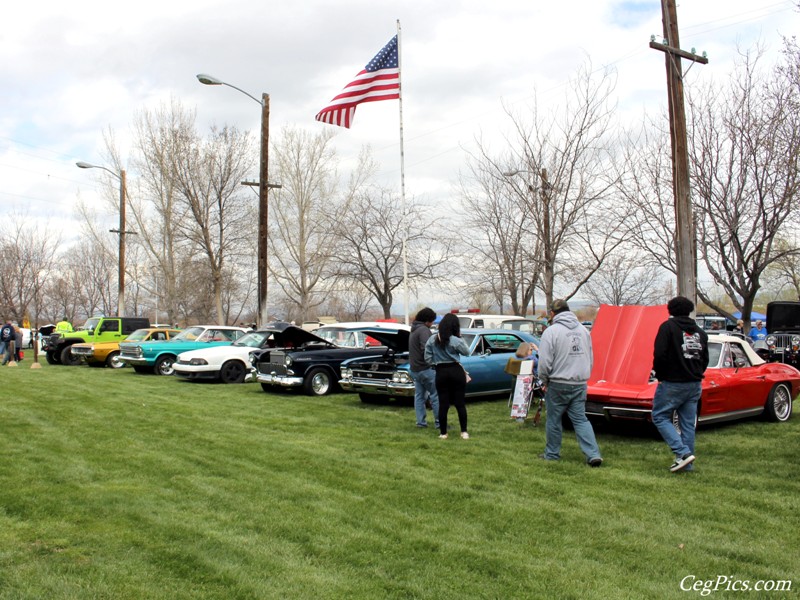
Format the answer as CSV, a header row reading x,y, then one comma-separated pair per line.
x,y
228,364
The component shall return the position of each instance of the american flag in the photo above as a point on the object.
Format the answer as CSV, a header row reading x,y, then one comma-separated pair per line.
x,y
379,80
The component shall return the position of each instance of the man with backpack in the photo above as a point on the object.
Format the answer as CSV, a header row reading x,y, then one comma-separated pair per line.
x,y
680,358
7,335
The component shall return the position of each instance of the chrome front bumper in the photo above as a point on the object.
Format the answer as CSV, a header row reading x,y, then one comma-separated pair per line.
x,y
281,380
137,362
371,386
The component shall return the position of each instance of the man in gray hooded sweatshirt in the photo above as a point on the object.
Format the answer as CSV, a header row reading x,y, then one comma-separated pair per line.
x,y
565,363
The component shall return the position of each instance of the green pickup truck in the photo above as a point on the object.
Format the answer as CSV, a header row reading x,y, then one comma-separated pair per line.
x,y
58,347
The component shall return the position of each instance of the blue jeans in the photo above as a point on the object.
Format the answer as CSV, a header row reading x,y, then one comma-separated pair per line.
x,y
560,398
425,387
681,397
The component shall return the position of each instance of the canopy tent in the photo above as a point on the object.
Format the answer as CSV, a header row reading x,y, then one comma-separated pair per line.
x,y
754,316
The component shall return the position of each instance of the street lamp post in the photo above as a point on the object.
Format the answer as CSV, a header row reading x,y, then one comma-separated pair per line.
x,y
263,187
123,190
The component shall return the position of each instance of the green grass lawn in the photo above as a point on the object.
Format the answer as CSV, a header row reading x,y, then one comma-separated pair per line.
x,y
118,485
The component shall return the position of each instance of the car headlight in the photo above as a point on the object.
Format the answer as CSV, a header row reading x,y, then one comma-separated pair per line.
x,y
401,377
770,341
196,362
346,373
252,358
795,342
288,361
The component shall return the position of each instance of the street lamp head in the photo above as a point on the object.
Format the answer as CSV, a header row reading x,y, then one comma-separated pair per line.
x,y
208,79
84,165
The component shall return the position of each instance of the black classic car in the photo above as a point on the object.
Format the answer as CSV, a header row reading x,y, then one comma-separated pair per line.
x,y
311,361
783,340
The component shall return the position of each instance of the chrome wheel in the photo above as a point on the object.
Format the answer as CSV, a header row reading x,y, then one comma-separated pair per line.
x,y
318,382
113,361
779,404
164,365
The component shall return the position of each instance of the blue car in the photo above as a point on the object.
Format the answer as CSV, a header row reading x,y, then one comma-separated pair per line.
x,y
159,357
388,374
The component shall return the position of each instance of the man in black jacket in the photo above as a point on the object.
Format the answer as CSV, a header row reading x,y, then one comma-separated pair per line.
x,y
680,357
421,372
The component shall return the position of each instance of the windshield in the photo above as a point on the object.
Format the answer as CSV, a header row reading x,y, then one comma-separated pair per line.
x,y
468,339
714,351
138,335
252,340
90,325
189,335
347,338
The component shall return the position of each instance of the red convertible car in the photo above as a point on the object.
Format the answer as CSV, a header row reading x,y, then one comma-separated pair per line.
x,y
737,383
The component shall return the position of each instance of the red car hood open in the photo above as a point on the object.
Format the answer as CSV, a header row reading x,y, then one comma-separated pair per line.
x,y
622,343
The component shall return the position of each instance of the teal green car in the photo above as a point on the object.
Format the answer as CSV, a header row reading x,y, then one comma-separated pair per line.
x,y
158,357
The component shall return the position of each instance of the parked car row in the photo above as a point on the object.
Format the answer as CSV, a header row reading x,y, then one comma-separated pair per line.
x,y
371,359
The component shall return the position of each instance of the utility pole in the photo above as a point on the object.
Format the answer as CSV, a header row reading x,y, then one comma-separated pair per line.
x,y
685,252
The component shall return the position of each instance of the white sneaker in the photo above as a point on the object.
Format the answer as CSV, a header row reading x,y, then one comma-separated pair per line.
x,y
682,462
464,435
443,436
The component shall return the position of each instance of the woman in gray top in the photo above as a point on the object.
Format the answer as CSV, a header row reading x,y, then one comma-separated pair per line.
x,y
444,351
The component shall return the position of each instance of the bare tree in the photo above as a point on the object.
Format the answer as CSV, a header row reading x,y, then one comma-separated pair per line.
x,y
27,255
625,279
208,177
784,272
350,302
303,216
501,234
745,148
371,251
647,186
153,198
566,156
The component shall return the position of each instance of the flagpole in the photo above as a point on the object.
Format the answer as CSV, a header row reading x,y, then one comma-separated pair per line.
x,y
404,224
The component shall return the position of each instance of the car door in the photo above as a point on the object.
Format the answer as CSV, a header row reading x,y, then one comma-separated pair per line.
x,y
747,385
487,363
477,365
110,330
715,381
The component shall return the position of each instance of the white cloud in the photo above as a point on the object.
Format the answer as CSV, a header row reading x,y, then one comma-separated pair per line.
x,y
72,71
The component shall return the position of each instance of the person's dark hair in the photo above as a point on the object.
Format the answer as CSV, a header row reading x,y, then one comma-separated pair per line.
x,y
559,306
448,327
425,315
680,307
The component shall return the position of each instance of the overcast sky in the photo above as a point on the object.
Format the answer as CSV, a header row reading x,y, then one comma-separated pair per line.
x,y
71,70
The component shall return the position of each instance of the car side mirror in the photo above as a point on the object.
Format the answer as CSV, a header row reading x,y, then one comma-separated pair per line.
x,y
739,363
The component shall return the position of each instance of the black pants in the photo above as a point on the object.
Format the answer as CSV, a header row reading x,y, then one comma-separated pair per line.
x,y
451,383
